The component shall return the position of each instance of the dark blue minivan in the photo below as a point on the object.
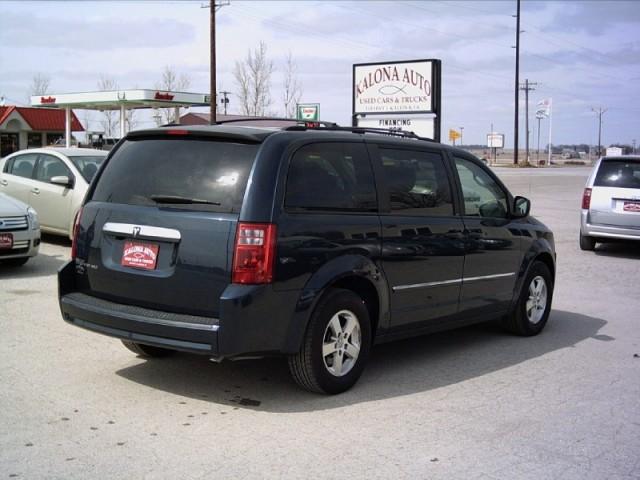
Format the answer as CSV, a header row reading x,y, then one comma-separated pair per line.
x,y
308,242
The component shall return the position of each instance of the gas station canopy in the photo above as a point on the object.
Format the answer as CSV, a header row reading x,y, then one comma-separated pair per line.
x,y
118,100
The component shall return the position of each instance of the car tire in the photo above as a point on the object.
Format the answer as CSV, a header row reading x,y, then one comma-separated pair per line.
x,y
587,243
336,345
16,262
147,351
532,309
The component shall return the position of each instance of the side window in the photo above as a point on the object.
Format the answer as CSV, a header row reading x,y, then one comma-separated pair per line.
x,y
483,197
50,166
331,176
417,182
22,165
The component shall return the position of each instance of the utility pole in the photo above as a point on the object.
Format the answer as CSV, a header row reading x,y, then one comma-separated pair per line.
x,y
539,117
517,85
527,87
461,130
213,7
225,100
633,142
600,111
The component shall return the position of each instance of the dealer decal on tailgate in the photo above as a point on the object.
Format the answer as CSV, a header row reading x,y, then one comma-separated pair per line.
x,y
140,255
631,207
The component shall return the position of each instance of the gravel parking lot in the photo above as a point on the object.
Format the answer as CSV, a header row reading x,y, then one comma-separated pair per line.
x,y
471,403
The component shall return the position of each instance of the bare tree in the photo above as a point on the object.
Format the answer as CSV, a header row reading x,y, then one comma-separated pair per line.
x,y
109,120
253,78
292,88
170,82
39,84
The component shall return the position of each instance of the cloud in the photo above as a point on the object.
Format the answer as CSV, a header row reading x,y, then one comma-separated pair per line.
x,y
82,34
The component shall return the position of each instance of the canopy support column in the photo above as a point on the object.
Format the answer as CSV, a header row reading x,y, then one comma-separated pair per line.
x,y
67,127
176,115
123,119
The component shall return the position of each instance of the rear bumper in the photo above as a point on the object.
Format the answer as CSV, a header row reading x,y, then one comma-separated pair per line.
x,y
243,328
151,327
606,231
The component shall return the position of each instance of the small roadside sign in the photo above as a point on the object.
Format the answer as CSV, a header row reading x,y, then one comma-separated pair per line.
x,y
309,112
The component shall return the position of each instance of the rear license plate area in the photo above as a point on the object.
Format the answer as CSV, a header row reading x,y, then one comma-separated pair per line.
x,y
631,207
6,241
142,255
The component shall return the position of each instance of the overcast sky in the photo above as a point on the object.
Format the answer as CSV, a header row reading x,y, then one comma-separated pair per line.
x,y
584,54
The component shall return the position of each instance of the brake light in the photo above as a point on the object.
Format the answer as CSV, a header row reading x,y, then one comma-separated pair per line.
x,y
177,132
586,198
253,253
76,228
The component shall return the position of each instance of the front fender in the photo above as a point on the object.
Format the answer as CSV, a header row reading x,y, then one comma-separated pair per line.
x,y
539,246
332,272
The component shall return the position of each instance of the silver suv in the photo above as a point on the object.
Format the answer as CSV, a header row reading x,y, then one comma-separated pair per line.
x,y
611,202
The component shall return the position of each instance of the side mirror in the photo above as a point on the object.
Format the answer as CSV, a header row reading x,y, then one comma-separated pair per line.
x,y
521,207
62,180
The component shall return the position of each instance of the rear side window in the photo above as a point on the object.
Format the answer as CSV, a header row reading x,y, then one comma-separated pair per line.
x,y
189,173
417,182
22,165
331,176
618,173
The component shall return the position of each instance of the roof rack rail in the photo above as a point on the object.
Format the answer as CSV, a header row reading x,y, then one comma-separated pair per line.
x,y
301,123
381,131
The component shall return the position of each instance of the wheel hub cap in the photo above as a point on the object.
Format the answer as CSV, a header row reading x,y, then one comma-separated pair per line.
x,y
536,304
341,343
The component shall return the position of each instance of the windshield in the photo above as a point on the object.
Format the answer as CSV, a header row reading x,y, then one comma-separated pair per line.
x,y
188,173
87,165
621,173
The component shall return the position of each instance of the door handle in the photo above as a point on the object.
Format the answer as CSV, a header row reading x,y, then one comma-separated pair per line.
x,y
36,191
4,183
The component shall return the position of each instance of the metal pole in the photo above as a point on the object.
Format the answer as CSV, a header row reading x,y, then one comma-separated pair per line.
x,y
123,118
67,127
461,130
538,151
212,86
526,113
517,86
550,122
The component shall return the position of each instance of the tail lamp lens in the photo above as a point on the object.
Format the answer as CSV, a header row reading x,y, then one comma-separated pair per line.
x,y
254,253
586,198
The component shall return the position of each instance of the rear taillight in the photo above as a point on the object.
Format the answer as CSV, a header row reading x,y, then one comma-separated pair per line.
x,y
586,198
74,241
253,253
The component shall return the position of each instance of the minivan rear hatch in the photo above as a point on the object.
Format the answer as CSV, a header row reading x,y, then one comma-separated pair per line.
x,y
615,196
158,227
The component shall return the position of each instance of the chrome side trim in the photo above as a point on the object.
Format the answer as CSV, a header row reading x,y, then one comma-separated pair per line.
x,y
488,277
142,231
425,285
451,282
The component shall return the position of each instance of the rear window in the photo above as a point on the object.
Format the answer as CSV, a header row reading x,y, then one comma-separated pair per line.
x,y
87,165
188,173
618,173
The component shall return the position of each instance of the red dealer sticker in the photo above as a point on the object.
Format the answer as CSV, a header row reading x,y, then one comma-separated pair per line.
x,y
6,240
631,207
140,255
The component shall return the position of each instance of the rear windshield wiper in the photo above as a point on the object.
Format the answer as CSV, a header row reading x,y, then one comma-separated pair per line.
x,y
175,199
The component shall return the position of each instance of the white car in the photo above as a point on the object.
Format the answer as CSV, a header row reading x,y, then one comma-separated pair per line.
x,y
611,202
52,180
19,231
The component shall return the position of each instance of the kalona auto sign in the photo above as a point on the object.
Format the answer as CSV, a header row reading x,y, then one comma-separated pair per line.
x,y
394,87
